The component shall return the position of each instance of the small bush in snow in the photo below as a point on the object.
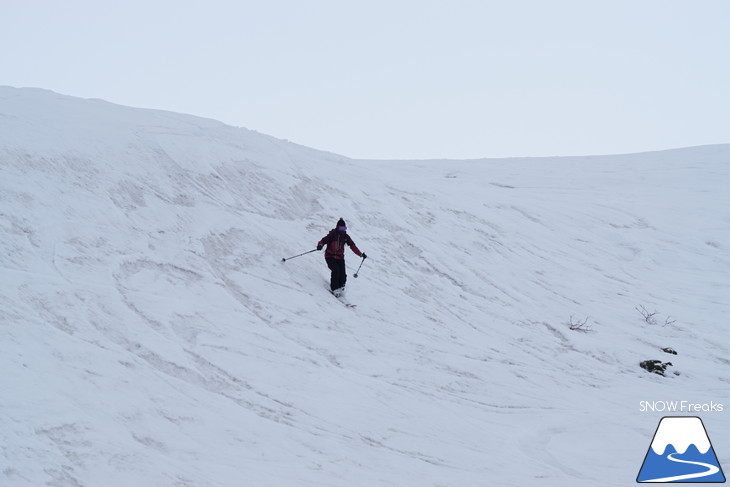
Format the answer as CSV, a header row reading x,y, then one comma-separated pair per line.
x,y
648,317
579,325
651,317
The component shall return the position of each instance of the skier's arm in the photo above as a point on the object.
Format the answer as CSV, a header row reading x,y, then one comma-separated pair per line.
x,y
353,247
325,240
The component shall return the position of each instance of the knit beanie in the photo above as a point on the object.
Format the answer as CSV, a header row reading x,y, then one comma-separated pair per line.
x,y
341,223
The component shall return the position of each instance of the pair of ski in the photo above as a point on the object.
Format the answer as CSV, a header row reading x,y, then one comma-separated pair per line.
x,y
342,299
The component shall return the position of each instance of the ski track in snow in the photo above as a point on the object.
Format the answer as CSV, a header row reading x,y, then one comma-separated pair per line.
x,y
153,337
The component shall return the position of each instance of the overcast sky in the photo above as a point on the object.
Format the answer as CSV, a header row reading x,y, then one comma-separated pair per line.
x,y
397,78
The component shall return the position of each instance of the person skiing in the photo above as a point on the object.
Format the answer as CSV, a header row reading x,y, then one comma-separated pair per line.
x,y
334,255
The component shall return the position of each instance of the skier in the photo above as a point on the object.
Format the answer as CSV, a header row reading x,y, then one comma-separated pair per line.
x,y
335,241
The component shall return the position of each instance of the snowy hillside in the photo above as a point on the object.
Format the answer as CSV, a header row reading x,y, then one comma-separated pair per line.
x,y
150,334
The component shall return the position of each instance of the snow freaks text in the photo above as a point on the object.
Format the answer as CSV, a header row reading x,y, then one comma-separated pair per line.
x,y
680,407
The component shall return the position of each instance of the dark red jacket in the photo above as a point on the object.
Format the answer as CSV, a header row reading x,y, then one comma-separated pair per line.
x,y
335,242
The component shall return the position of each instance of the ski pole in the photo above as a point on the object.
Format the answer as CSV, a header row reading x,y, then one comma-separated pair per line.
x,y
358,269
295,256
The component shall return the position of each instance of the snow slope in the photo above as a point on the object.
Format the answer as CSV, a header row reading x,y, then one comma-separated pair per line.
x,y
151,335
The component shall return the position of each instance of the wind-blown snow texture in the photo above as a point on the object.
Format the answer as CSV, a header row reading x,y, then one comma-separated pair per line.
x,y
151,335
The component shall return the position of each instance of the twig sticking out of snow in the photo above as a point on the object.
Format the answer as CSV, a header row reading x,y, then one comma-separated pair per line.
x,y
579,325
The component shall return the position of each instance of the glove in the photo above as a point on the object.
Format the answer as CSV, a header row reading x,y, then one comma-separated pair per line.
x,y
364,255
319,247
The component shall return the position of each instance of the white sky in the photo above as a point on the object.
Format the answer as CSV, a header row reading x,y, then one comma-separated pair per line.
x,y
398,78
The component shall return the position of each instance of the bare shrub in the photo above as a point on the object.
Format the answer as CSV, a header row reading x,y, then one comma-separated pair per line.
x,y
652,318
579,325
648,317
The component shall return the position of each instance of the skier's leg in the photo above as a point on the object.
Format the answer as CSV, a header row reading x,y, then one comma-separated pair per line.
x,y
334,275
341,275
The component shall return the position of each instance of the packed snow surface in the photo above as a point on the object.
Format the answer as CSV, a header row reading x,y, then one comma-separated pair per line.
x,y
152,336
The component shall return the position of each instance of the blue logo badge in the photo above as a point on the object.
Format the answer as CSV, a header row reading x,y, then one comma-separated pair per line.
x,y
681,452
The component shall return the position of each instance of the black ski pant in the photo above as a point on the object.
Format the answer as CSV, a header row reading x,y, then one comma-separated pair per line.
x,y
339,276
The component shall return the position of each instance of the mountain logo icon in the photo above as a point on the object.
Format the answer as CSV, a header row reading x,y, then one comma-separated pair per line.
x,y
680,452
